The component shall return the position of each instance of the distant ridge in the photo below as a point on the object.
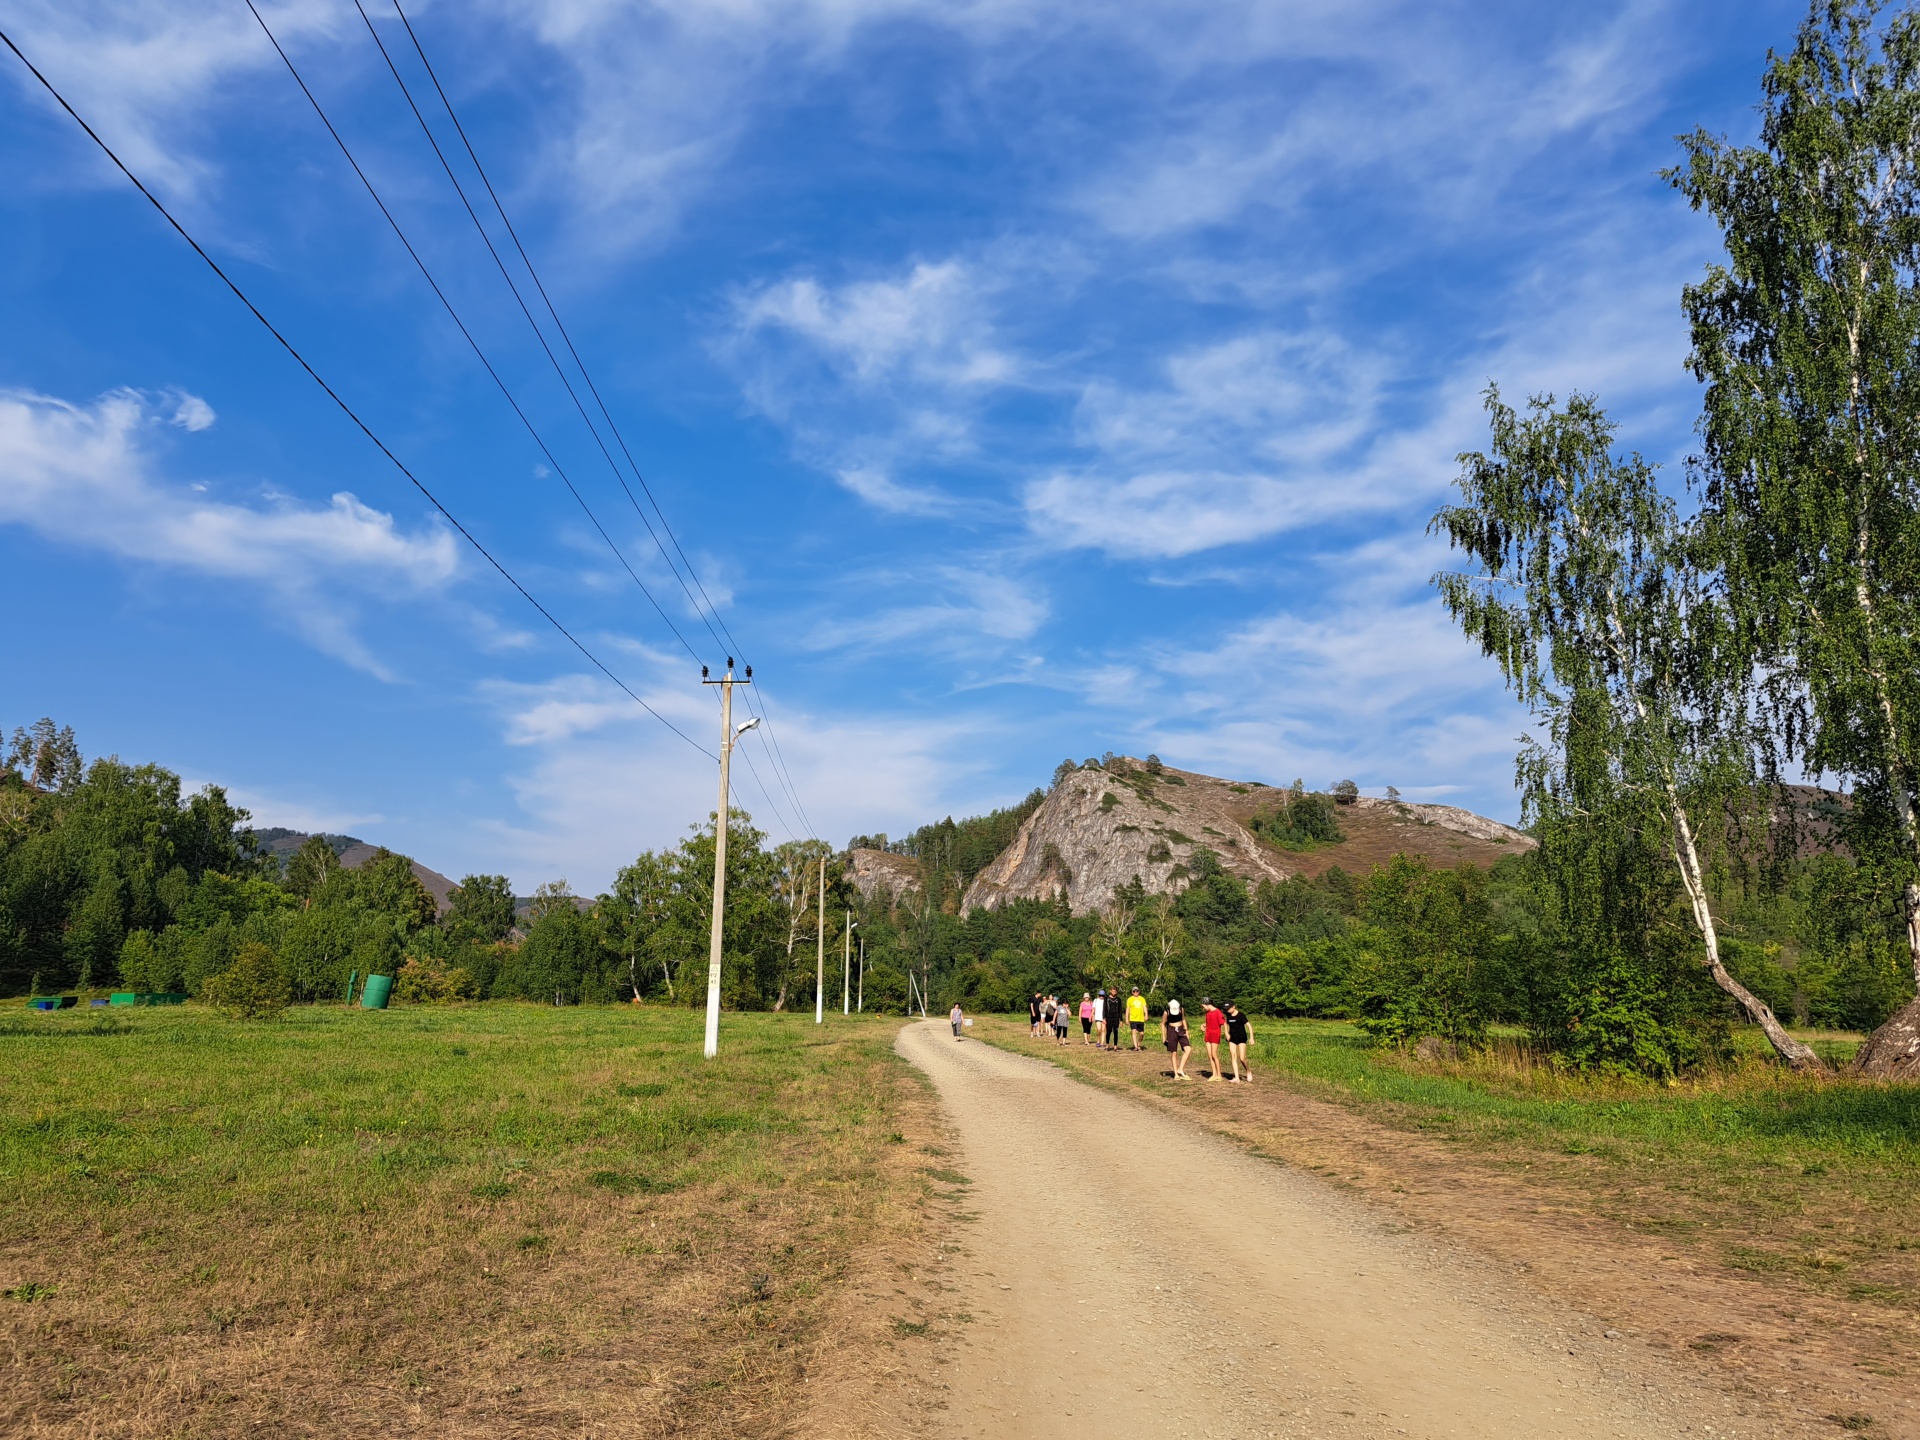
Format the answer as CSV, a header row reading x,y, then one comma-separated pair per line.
x,y
280,842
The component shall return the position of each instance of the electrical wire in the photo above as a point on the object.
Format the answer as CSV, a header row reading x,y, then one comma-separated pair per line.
x,y
335,396
764,711
479,353
460,324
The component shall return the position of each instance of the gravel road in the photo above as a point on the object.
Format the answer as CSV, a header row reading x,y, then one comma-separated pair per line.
x,y
1127,1274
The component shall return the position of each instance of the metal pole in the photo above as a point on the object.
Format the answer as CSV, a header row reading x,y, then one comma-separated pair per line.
x,y
719,869
820,950
846,968
860,995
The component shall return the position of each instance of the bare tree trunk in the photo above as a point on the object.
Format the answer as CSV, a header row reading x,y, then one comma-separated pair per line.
x,y
1796,1053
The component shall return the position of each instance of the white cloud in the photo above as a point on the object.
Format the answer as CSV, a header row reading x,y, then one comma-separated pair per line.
x,y
142,72
928,324
190,412
605,781
85,475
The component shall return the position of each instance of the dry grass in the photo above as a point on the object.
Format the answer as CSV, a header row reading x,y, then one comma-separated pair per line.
x,y
488,1220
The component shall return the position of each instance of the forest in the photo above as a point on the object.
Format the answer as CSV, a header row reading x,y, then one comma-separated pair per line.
x,y
111,878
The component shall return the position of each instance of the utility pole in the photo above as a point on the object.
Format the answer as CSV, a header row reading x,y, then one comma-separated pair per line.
x,y
820,950
860,992
727,736
846,968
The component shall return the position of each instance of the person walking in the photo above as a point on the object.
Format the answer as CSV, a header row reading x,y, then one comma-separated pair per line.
x,y
1213,1020
1033,1016
1086,1018
958,1018
1115,1010
1239,1033
1137,1016
1062,1021
1173,1034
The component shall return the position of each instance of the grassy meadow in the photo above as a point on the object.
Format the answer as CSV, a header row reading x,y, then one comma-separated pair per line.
x,y
486,1219
1808,1180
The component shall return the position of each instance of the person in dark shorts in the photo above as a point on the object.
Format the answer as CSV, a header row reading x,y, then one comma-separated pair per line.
x,y
1033,1015
1173,1034
1086,1017
1062,1021
1239,1033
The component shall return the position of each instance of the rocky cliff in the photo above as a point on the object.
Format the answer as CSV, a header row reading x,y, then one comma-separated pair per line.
x,y
1098,828
874,871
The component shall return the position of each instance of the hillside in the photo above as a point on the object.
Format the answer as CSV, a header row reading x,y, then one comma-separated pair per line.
x,y
281,843
1100,827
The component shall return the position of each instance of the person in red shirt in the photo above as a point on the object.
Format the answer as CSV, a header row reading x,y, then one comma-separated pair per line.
x,y
1215,1021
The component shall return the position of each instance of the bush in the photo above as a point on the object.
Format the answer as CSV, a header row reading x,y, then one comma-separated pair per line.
x,y
252,987
428,980
1615,1025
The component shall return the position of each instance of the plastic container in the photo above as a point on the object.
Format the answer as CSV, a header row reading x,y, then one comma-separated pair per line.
x,y
374,996
53,1002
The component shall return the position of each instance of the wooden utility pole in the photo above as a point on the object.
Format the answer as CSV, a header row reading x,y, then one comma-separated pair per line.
x,y
820,951
727,736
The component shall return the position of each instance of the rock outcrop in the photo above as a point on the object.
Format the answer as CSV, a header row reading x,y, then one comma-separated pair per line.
x,y
874,871
1099,828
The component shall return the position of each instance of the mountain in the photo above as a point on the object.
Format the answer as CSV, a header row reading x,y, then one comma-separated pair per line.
x,y
281,843
1101,826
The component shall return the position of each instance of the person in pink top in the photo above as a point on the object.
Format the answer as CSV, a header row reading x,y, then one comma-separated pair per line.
x,y
1086,1018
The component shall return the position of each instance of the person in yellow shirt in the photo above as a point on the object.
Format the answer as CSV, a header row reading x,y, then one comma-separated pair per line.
x,y
1137,1015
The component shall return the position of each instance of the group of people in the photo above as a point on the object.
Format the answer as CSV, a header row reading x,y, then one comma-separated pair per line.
x,y
1103,1014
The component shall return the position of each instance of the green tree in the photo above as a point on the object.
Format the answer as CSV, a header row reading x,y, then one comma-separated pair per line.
x,y
1589,594
481,909
310,867
1808,340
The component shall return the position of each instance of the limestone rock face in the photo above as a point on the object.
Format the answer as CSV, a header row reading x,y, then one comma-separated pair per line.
x,y
873,871
1098,828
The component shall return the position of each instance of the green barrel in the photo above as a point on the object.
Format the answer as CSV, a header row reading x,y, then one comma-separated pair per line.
x,y
377,989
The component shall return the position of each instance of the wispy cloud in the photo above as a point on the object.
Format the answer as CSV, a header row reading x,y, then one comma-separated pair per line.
x,y
86,475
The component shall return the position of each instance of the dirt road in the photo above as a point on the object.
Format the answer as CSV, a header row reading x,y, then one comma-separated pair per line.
x,y
1130,1275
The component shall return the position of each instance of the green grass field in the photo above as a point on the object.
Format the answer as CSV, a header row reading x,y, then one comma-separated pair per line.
x,y
491,1219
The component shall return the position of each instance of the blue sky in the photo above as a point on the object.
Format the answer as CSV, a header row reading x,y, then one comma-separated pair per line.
x,y
1024,381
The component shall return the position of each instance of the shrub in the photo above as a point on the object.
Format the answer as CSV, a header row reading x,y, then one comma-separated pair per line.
x,y
252,987
429,980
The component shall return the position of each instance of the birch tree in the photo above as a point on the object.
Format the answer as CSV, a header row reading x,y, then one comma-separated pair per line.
x,y
1808,340
1589,596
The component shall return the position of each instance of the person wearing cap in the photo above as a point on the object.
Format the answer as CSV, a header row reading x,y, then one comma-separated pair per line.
x,y
1173,1033
1137,1015
1086,1017
1213,1021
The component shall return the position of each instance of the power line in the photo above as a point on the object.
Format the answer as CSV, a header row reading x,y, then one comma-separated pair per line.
x,y
334,396
454,314
782,774
461,325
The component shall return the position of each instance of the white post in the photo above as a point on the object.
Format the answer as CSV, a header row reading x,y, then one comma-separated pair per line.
x,y
860,990
846,968
719,870
820,950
